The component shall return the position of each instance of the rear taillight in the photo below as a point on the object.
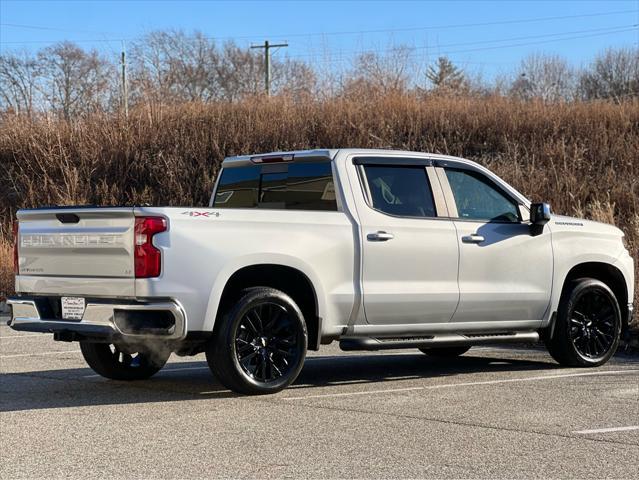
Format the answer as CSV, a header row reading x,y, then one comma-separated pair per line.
x,y
16,265
148,259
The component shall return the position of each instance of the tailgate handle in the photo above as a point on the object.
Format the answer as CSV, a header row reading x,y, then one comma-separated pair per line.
x,y
67,217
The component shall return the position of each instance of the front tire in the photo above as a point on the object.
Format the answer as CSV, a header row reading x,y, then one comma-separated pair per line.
x,y
588,325
261,343
118,362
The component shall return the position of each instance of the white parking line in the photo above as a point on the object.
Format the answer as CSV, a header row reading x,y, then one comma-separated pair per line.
x,y
467,384
34,335
367,392
608,430
38,354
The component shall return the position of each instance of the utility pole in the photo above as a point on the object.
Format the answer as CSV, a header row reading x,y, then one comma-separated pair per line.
x,y
125,93
267,62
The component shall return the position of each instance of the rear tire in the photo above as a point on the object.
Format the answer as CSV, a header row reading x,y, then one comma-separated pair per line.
x,y
260,344
121,363
445,352
588,325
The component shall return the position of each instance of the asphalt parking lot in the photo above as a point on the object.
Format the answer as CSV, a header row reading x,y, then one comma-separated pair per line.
x,y
493,413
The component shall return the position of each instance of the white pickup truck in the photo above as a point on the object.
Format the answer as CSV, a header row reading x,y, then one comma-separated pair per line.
x,y
376,249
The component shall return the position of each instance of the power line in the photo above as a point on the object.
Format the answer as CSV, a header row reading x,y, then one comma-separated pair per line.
x,y
446,53
546,41
459,25
337,33
39,27
349,53
414,51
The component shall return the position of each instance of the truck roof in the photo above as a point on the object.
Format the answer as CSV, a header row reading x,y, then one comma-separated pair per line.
x,y
329,154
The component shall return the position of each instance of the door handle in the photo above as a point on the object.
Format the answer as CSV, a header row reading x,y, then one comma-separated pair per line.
x,y
379,236
473,238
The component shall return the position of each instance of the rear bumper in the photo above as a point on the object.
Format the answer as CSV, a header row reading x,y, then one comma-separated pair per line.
x,y
102,320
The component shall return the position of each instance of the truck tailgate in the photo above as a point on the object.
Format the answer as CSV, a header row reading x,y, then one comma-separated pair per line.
x,y
84,247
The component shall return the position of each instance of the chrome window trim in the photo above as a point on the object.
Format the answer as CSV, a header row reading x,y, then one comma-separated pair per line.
x,y
441,207
448,193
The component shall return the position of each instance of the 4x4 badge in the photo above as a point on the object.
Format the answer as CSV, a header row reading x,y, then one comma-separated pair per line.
x,y
201,214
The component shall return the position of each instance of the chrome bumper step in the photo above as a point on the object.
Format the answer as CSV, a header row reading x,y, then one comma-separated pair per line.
x,y
98,322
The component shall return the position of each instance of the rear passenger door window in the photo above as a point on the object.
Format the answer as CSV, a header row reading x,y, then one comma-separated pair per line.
x,y
401,191
295,186
476,198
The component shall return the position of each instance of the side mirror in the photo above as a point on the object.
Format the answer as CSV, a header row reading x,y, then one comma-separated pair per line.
x,y
539,216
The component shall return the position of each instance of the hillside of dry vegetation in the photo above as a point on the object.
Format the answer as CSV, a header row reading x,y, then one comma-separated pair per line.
x,y
581,157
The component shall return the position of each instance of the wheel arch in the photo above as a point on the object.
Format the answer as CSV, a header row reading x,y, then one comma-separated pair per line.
x,y
606,273
292,280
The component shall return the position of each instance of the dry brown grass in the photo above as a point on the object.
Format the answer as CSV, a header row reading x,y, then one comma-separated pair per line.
x,y
6,268
581,157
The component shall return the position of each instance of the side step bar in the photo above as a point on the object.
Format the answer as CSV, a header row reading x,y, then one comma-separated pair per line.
x,y
446,340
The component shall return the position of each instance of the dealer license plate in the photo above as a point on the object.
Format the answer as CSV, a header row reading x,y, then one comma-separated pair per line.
x,y
72,308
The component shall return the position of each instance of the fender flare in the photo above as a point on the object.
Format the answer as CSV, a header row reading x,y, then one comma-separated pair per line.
x,y
562,275
230,268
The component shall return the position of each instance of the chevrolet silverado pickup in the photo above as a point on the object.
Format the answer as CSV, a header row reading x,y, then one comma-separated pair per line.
x,y
375,249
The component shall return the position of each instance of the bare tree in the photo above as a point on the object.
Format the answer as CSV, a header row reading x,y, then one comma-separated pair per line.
x,y
151,75
294,78
614,74
380,73
173,66
74,81
240,72
19,75
446,78
547,77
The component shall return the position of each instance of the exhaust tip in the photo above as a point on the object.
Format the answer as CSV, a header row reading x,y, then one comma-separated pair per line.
x,y
140,322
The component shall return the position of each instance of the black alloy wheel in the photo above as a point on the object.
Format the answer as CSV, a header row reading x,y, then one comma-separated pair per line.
x,y
587,326
259,344
593,325
266,342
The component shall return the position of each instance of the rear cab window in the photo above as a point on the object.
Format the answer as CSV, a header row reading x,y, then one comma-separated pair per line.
x,y
283,186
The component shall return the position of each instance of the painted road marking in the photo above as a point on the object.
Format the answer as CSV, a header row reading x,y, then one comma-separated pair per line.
x,y
38,354
367,392
468,384
608,430
34,335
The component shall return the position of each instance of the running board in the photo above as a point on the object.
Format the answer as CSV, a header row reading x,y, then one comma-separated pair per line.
x,y
446,340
